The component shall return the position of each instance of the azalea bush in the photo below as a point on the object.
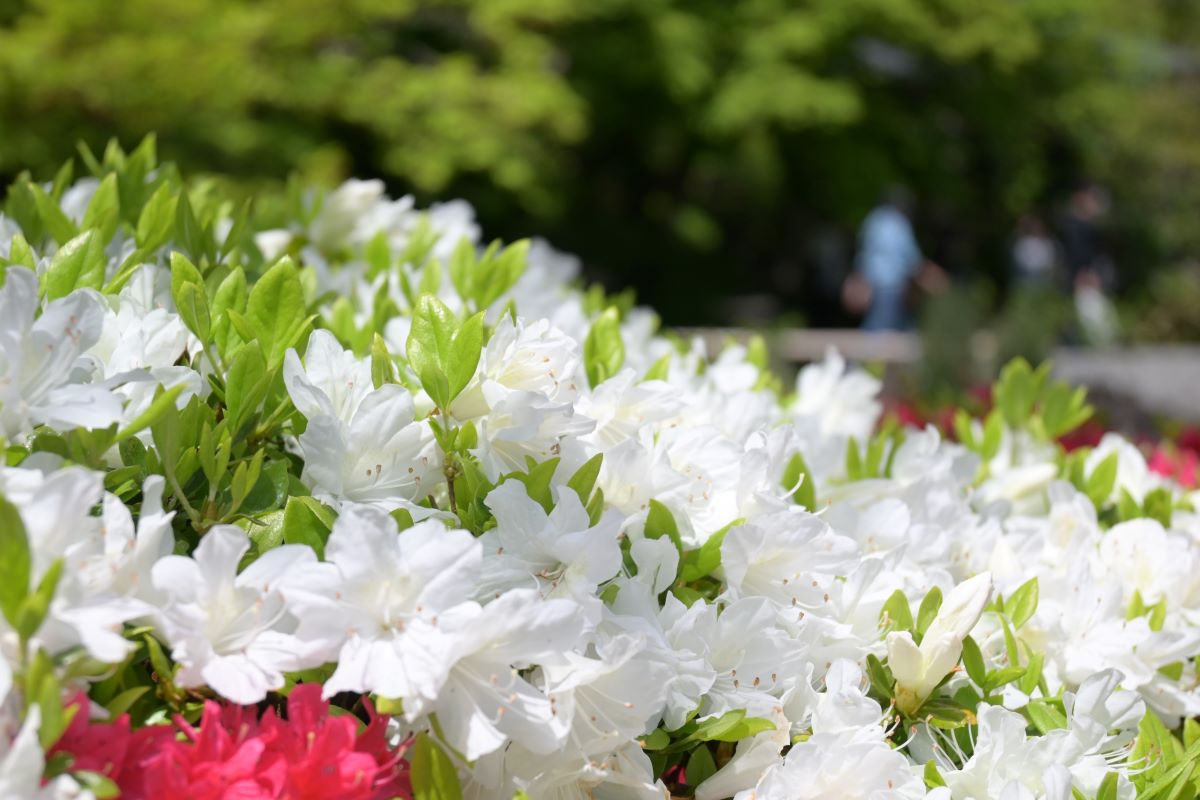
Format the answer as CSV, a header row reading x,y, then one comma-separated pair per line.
x,y
367,507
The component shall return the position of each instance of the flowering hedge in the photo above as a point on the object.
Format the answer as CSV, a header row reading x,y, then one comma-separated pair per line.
x,y
361,508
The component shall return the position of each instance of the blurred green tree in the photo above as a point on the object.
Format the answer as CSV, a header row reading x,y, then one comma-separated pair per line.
x,y
691,147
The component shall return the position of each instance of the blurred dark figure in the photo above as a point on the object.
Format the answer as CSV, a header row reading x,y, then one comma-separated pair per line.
x,y
1034,255
889,260
1083,247
1091,271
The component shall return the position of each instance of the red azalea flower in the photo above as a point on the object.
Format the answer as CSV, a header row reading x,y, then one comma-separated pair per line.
x,y
1182,465
232,755
111,749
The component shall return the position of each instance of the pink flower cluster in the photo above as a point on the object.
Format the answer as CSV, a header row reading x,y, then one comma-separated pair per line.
x,y
234,755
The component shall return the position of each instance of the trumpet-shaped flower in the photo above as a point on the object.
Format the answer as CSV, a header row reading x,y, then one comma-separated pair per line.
x,y
228,630
377,606
39,380
485,702
918,670
560,554
362,444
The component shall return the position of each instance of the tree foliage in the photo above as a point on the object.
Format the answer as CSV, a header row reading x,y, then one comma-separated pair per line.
x,y
667,141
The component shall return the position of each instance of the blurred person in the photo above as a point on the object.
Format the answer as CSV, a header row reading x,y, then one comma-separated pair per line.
x,y
1034,254
1079,231
1091,271
889,260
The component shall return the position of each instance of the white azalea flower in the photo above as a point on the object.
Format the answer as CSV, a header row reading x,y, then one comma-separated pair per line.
x,y
621,407
89,608
375,607
918,670
485,702
610,699
22,763
560,554
39,380
231,631
362,445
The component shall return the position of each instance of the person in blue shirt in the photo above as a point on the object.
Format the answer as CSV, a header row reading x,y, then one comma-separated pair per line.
x,y
889,259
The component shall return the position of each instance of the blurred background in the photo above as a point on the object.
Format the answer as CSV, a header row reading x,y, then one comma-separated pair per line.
x,y
1027,169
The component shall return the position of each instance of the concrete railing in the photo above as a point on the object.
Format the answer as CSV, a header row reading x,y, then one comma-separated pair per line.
x,y
1159,379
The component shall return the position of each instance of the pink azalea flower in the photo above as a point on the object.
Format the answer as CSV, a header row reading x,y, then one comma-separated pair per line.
x,y
234,755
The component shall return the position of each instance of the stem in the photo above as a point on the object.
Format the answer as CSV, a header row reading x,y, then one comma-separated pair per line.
x,y
197,523
451,473
214,358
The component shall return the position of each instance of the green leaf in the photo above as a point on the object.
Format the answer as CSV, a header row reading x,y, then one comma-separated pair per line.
x,y
307,521
465,349
125,700
697,564
1022,603
1102,479
275,310
158,660
383,370
660,370
239,230
993,436
1108,787
657,739
191,298
584,479
1045,717
933,778
462,267
946,714
36,606
700,766
17,563
798,480
20,254
1174,781
163,401
268,533
230,296
1001,677
1064,409
1033,674
194,239
57,223
854,466
661,522
1127,507
54,720
1159,505
1010,642
442,353
896,614
880,677
246,385
537,482
972,659
433,775
498,274
157,219
104,211
603,350
79,264
1016,392
930,605
99,786
732,726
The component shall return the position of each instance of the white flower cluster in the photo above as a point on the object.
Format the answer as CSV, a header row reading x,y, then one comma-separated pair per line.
x,y
585,559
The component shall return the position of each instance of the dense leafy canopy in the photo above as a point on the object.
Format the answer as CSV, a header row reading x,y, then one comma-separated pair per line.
x,y
692,148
